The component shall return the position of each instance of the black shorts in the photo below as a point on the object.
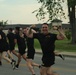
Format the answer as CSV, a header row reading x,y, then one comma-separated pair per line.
x,y
22,50
49,61
30,53
11,47
4,46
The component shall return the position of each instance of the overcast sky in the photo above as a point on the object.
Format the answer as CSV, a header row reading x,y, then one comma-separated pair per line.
x,y
20,11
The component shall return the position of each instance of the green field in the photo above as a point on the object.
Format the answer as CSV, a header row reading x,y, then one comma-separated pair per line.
x,y
61,45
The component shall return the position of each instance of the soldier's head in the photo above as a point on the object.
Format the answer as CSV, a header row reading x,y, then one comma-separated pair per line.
x,y
45,28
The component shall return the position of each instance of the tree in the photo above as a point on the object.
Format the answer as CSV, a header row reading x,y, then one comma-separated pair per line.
x,y
2,23
54,9
71,10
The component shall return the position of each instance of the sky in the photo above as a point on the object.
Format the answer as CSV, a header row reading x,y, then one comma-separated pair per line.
x,y
20,11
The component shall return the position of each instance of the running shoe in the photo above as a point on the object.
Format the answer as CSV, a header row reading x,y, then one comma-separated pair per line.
x,y
16,66
0,63
62,56
13,64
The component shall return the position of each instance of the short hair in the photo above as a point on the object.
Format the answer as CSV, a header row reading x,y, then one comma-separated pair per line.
x,y
45,24
17,28
10,29
24,27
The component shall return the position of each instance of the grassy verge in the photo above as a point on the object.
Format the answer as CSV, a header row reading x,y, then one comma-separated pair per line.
x,y
61,45
64,45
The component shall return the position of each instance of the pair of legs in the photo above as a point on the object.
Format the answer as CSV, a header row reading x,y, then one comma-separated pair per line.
x,y
12,49
31,65
47,61
14,52
47,71
30,57
20,56
10,56
3,55
29,62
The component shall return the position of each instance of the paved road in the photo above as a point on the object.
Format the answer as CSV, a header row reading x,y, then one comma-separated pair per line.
x,y
63,67
67,67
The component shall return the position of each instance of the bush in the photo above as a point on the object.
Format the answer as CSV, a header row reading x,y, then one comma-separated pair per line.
x,y
68,34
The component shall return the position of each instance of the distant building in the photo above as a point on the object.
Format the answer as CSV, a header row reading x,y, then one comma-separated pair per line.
x,y
64,26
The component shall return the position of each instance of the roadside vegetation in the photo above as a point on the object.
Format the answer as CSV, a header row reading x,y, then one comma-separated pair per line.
x,y
61,45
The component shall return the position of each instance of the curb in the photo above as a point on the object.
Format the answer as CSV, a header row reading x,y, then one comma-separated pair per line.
x,y
66,54
73,55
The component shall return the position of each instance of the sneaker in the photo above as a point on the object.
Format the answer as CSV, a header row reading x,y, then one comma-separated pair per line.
x,y
0,63
13,64
13,60
16,66
33,74
40,66
61,56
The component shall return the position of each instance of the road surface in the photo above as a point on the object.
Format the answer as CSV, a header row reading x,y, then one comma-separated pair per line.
x,y
62,67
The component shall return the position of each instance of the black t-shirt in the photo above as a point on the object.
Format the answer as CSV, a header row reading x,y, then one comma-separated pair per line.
x,y
30,42
3,42
20,40
11,37
47,42
3,36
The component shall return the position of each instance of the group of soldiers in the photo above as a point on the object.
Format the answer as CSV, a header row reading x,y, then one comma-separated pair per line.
x,y
24,36
7,46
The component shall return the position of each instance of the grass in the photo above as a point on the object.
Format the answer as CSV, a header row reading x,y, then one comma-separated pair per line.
x,y
65,45
36,44
61,45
